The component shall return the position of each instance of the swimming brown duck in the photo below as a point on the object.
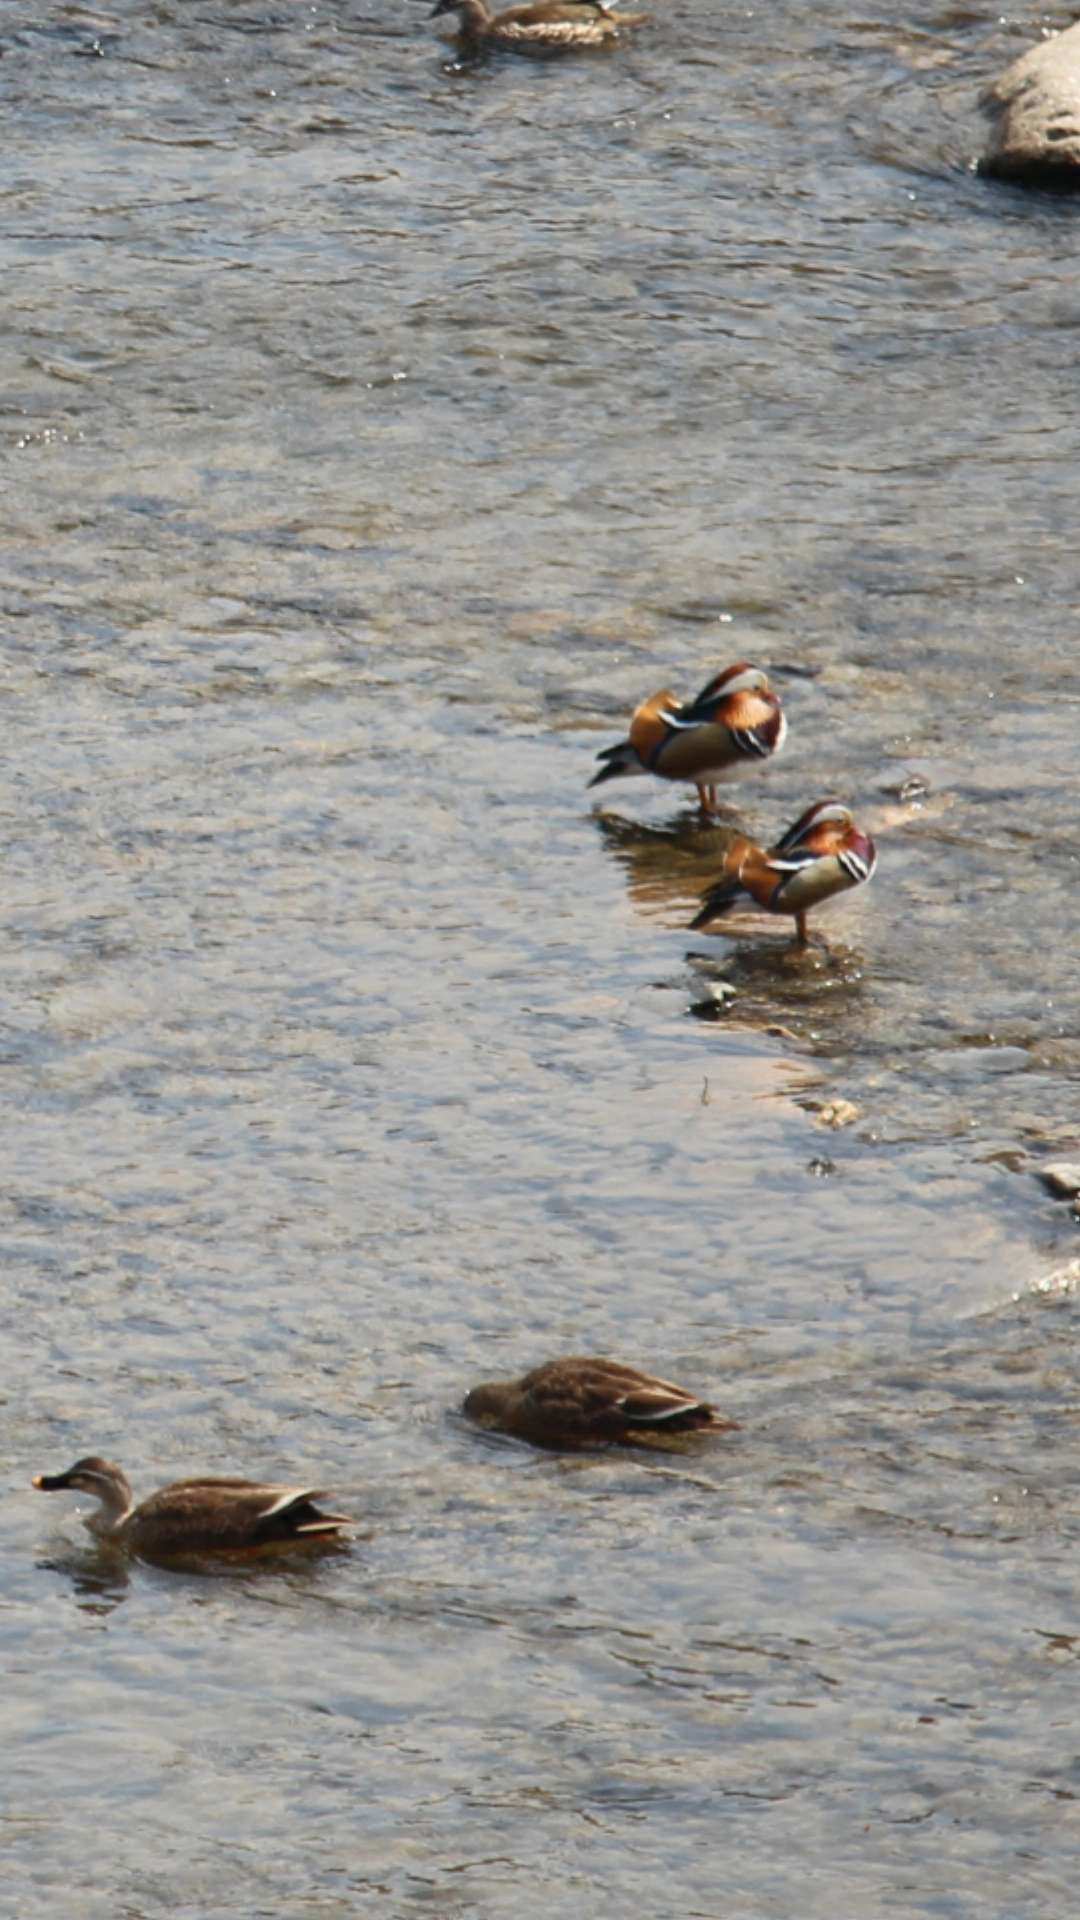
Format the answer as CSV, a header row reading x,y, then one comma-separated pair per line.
x,y
578,1402
194,1516
552,26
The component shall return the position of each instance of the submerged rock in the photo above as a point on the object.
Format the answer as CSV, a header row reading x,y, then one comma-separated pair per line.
x,y
836,1114
1035,106
1062,1177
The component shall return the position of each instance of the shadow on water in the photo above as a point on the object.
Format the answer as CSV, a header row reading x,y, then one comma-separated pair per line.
x,y
100,1579
813,996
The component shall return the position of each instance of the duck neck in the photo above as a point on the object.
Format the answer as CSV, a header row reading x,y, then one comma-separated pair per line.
x,y
475,18
116,1506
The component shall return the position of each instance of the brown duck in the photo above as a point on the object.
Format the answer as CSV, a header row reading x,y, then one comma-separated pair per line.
x,y
579,1402
194,1516
552,26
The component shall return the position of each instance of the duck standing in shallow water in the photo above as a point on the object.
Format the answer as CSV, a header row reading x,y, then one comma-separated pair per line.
x,y
195,1516
553,26
589,1403
822,854
735,722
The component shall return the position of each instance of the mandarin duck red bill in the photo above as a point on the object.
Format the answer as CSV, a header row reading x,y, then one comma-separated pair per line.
x,y
581,1402
549,27
734,723
822,854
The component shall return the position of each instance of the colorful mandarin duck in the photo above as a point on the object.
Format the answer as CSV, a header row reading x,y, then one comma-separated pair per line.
x,y
589,1403
735,722
822,854
195,1516
552,26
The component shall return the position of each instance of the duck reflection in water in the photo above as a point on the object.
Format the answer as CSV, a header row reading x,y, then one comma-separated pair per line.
x,y
666,867
101,1580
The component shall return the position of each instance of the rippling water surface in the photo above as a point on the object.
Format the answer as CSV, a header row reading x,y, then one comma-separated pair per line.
x,y
374,436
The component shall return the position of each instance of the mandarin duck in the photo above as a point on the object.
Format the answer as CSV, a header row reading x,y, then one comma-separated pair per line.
x,y
194,1516
823,853
735,722
584,1403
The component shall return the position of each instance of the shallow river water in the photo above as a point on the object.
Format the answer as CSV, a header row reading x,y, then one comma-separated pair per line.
x,y
375,435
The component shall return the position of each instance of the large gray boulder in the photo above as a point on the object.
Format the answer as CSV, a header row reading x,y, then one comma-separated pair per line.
x,y
1036,112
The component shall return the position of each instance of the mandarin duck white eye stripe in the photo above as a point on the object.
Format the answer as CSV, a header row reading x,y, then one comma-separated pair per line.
x,y
821,812
741,678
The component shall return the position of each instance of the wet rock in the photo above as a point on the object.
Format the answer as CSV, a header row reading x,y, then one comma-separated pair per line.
x,y
1035,107
796,669
838,1113
1060,1285
1062,1177
717,998
722,991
